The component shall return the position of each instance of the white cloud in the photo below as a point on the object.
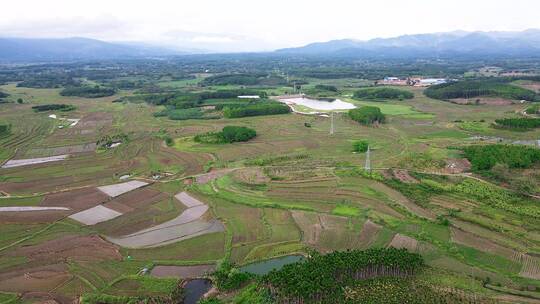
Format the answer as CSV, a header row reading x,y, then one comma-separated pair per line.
x,y
258,24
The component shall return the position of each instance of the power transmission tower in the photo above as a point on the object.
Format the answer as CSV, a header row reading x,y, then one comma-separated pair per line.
x,y
367,167
332,123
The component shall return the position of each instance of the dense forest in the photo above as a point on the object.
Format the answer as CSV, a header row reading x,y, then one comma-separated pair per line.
x,y
382,93
321,278
487,156
367,115
478,88
244,79
258,109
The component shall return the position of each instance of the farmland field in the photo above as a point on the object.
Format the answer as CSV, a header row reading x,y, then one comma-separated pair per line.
x,y
138,201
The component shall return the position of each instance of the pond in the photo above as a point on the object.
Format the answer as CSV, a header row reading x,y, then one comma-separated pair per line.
x,y
322,105
264,267
195,289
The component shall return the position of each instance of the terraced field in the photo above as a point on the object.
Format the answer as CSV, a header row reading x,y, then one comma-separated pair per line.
x,y
162,198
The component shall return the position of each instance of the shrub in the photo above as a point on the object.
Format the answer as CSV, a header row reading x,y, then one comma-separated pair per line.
x,y
360,146
229,134
382,93
367,115
5,129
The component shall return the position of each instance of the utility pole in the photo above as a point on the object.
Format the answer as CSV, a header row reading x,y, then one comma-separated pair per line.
x,y
332,123
367,167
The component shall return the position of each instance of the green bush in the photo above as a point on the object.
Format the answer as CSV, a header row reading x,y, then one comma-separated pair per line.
x,y
382,93
367,115
54,107
5,129
534,109
229,134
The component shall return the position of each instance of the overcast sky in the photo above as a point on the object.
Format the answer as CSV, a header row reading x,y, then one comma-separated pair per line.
x,y
258,24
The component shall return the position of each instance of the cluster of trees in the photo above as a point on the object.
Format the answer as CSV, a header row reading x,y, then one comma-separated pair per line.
x,y
229,134
322,277
477,88
54,107
256,109
382,93
486,156
326,87
244,79
518,123
88,91
367,115
228,277
48,81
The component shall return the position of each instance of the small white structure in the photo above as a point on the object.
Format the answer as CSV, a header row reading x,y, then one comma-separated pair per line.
x,y
53,116
432,81
249,97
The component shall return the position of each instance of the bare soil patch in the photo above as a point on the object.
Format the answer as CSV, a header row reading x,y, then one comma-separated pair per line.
x,y
80,248
77,200
252,176
214,174
136,199
471,240
483,101
457,165
32,217
403,241
403,176
41,278
530,266
182,272
82,148
369,234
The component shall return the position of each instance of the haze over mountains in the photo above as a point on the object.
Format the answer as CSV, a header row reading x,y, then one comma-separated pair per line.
x,y
525,43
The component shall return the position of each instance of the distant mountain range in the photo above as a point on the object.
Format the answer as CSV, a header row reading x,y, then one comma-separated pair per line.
x,y
65,49
525,43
